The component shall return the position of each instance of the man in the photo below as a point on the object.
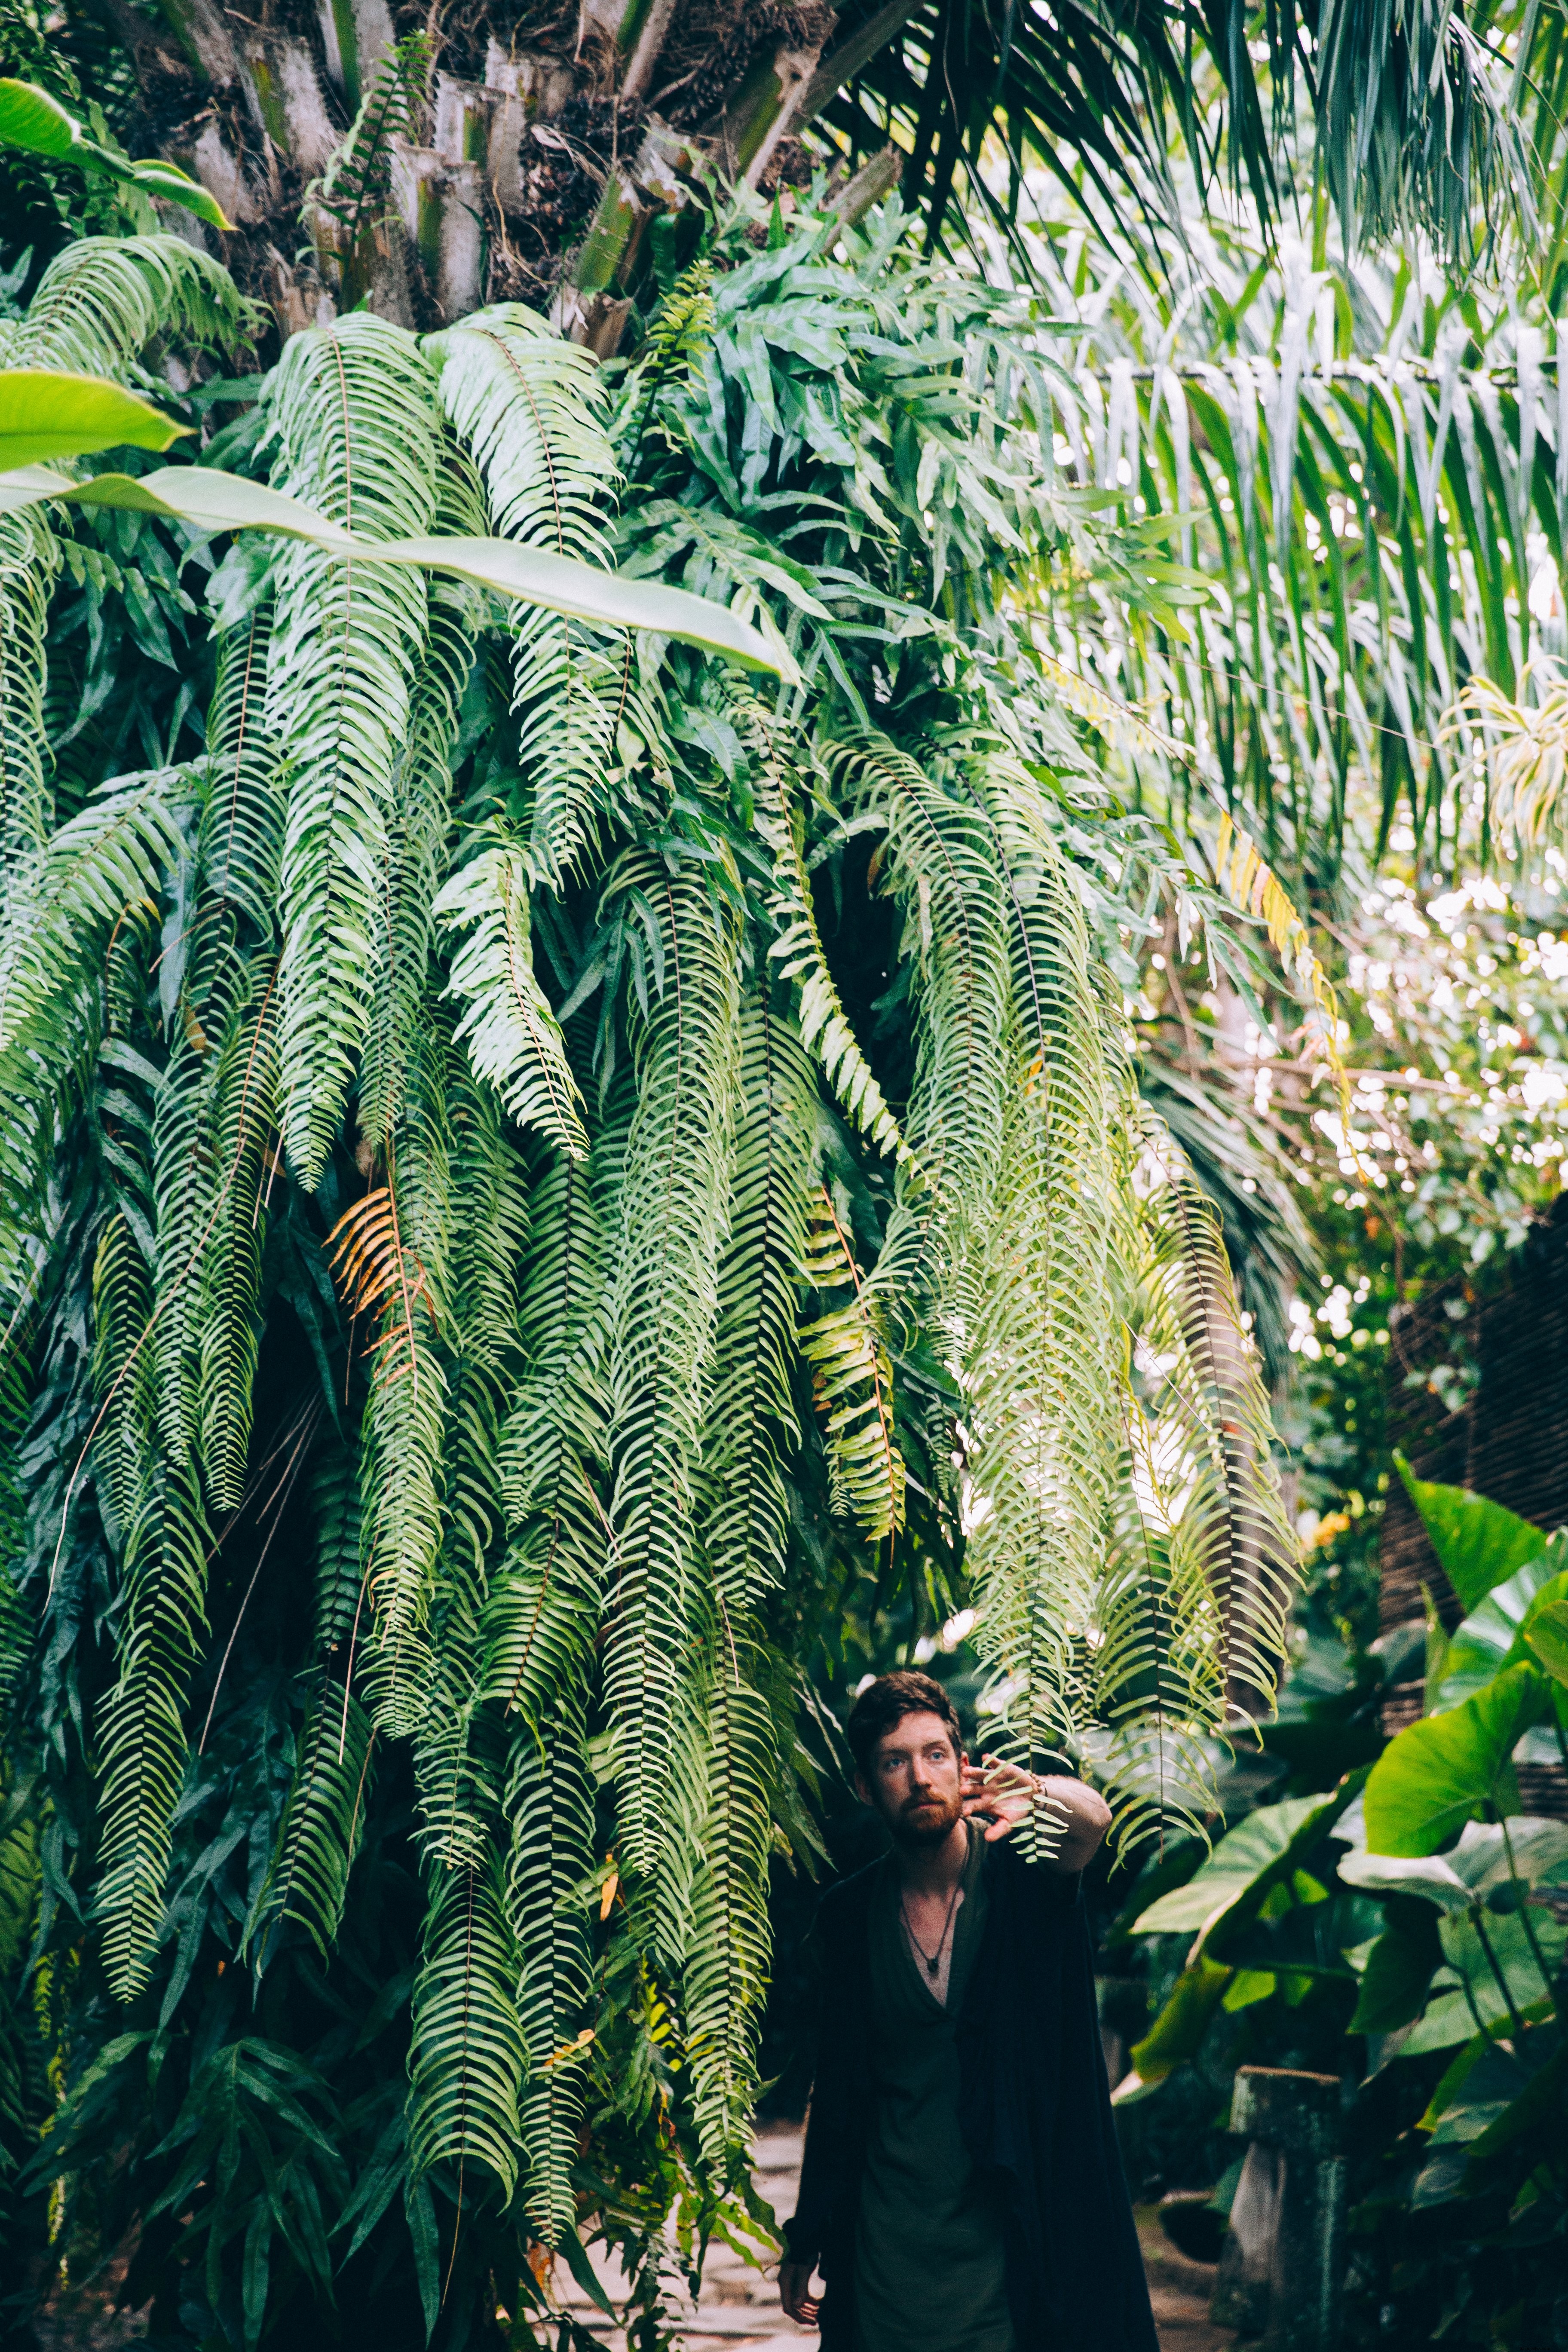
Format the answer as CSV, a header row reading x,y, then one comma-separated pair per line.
x,y
962,2189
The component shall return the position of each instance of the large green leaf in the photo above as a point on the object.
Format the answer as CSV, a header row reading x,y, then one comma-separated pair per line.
x,y
1494,1635
1547,1635
1399,1969
1243,1866
213,501
30,118
1430,1876
1435,1775
1478,1543
46,412
1177,2033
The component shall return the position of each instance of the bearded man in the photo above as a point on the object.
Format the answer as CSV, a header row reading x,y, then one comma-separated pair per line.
x,y
962,2189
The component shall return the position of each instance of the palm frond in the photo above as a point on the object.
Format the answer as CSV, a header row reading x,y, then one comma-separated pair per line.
x,y
29,561
729,1943
308,1876
851,1378
102,299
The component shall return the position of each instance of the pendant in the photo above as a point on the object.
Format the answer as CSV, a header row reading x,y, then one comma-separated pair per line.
x,y
933,1966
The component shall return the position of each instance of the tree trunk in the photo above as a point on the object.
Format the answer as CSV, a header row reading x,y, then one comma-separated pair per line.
x,y
547,159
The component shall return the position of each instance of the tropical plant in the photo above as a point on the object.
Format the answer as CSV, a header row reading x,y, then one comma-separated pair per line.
x,y
530,1162
1437,1932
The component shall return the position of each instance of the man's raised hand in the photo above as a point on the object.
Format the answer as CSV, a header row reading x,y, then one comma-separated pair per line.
x,y
1003,1794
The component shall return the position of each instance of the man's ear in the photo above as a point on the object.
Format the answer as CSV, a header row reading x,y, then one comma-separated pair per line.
x,y
862,1789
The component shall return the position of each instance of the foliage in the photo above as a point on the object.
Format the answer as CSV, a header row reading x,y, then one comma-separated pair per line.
x,y
1432,1927
511,1144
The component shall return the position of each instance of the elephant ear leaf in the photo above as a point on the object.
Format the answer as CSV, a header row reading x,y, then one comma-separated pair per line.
x,y
1436,1774
1478,1543
47,414
1547,1635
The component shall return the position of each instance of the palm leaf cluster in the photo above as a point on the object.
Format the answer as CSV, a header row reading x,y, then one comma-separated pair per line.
x,y
1370,474
565,1155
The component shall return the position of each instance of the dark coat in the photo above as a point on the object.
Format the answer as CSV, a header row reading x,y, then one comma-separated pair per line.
x,y
1035,2108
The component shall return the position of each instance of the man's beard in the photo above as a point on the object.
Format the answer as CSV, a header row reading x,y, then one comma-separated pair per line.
x,y
926,1821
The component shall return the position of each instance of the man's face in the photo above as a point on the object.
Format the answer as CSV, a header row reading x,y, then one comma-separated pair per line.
x,y
915,1780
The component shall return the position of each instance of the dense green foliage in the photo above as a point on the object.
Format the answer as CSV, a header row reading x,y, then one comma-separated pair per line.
x,y
535,1171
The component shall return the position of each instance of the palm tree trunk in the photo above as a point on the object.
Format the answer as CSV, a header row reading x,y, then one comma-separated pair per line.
x,y
530,161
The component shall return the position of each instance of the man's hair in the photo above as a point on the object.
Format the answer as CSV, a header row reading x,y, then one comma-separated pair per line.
x,y
886,1701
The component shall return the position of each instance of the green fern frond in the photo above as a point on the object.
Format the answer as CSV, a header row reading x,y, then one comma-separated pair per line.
x,y
750,1414
241,841
419,819
240,1104
680,328
124,1449
851,1378
824,1027
354,190
533,410
141,1734
29,564
513,1039
103,299
730,1944
339,1575
549,1809
673,1199
1217,1499
355,408
465,2060
1039,1348
308,1876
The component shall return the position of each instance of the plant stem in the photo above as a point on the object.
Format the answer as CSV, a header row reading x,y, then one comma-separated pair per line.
x,y
1503,1985
1521,1897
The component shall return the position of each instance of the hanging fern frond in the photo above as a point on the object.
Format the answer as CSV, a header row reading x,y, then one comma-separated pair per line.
x,y
824,1027
141,1732
730,1942
751,1415
513,1039
241,841
339,1575
29,563
308,1876
1206,1418
549,1809
1039,1354
465,2060
123,1367
355,408
534,412
851,1379
673,1200
419,819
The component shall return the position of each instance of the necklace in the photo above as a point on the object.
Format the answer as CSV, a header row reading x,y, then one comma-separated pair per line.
x,y
932,1960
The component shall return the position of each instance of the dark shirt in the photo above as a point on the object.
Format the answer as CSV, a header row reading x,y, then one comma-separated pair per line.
x,y
930,2269
1033,2111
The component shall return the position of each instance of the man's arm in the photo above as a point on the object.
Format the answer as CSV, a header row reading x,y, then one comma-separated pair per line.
x,y
1003,1795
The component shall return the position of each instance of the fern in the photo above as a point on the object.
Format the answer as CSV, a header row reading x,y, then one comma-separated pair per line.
x,y
672,1204
30,562
306,1879
355,409
729,1941
532,410
353,191
513,1040
549,1807
103,299
141,1727
465,2058
852,1380
750,1414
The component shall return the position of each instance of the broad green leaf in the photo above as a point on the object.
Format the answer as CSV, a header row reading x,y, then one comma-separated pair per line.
x,y
45,412
1466,1941
1398,1973
1261,1848
213,501
30,118
1378,1873
1435,1775
1539,2103
1492,1635
1177,2033
1547,1635
1478,1543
